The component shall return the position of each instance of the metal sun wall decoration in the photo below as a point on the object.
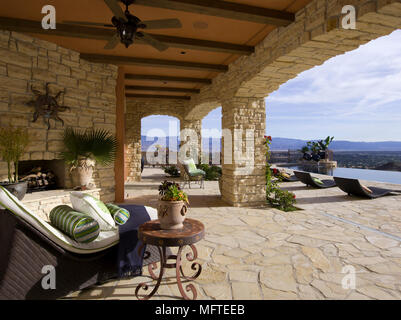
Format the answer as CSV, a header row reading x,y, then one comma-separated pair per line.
x,y
47,106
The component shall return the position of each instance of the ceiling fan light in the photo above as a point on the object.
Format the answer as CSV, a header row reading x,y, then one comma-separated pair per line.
x,y
127,33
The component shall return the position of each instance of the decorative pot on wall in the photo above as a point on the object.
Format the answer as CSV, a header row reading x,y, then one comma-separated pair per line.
x,y
18,189
171,214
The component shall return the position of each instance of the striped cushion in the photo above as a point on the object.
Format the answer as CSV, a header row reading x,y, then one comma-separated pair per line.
x,y
120,215
80,227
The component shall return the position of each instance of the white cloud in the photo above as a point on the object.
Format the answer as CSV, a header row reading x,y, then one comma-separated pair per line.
x,y
360,82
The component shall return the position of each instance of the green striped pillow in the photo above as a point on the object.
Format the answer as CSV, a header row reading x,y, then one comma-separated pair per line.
x,y
120,215
80,227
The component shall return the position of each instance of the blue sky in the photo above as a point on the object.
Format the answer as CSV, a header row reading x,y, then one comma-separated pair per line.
x,y
355,96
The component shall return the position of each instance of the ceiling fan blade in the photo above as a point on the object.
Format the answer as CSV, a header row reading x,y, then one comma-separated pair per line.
x,y
153,42
162,24
85,23
113,42
116,9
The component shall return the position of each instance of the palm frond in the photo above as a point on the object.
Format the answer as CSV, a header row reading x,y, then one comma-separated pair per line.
x,y
97,144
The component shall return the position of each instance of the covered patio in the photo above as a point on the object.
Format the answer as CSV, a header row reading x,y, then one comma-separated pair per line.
x,y
264,253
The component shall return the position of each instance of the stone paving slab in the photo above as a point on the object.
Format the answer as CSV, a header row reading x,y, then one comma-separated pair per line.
x,y
264,253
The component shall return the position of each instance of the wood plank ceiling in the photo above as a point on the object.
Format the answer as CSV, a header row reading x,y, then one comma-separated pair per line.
x,y
213,34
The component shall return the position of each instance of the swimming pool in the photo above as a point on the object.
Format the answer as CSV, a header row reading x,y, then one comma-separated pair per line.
x,y
363,174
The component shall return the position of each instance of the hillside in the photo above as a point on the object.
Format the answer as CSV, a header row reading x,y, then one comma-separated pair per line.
x,y
293,144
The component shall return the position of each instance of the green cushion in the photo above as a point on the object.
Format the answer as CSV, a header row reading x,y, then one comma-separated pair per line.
x,y
317,180
120,215
191,165
197,172
78,226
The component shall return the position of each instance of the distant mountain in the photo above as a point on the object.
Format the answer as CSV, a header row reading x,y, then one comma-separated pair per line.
x,y
292,144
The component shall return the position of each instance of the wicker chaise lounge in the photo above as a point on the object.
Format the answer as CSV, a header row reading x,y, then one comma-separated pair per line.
x,y
29,245
25,251
306,178
354,187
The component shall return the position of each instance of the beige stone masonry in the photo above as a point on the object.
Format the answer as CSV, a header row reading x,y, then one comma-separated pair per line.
x,y
27,62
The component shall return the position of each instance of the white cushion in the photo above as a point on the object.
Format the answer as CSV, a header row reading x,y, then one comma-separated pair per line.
x,y
93,207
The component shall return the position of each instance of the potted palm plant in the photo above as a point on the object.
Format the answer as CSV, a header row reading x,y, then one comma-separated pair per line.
x,y
84,149
173,205
13,144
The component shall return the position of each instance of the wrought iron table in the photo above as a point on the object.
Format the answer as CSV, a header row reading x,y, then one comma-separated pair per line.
x,y
151,233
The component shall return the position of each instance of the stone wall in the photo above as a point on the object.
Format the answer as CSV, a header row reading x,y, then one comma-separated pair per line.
x,y
244,177
27,62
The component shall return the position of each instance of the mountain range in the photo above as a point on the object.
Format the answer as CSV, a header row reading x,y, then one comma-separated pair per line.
x,y
292,144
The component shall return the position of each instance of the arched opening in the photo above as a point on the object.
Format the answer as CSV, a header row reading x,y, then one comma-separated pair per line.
x,y
354,97
159,138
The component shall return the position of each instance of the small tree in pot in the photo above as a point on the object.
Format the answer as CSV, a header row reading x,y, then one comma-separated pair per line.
x,y
13,144
84,150
173,205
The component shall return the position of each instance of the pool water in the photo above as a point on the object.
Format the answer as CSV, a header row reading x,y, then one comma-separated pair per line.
x,y
363,174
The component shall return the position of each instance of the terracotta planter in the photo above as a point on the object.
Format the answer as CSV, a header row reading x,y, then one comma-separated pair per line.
x,y
17,189
81,176
171,214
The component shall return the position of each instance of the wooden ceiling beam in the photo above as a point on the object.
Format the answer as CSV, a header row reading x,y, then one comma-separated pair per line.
x,y
84,32
224,9
130,76
123,60
166,89
153,96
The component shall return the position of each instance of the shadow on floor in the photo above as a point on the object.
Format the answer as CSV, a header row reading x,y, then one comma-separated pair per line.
x,y
195,201
296,188
326,199
140,186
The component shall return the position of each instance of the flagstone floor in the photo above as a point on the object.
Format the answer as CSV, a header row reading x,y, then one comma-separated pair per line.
x,y
264,253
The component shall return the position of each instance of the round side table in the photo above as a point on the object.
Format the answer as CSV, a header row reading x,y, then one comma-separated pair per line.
x,y
151,233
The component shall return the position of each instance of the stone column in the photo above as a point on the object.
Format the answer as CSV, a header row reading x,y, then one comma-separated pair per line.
x,y
244,179
133,149
196,126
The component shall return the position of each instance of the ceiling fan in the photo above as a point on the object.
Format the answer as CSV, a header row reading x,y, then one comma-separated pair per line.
x,y
127,26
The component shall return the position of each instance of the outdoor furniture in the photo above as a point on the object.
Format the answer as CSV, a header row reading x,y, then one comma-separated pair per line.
x,y
190,173
354,187
306,178
25,251
151,233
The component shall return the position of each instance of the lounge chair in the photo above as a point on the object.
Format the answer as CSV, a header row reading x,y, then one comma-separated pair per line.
x,y
306,178
354,187
29,243
190,174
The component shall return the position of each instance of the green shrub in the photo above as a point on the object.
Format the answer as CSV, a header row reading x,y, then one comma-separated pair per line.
x,y
280,199
172,171
213,173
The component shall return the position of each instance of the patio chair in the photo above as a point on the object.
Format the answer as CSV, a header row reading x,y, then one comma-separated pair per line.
x,y
354,187
28,244
306,178
190,173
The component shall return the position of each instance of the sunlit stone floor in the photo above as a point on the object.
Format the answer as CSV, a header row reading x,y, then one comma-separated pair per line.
x,y
263,253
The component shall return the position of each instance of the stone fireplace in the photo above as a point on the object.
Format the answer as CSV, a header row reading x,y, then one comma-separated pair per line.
x,y
89,90
43,175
